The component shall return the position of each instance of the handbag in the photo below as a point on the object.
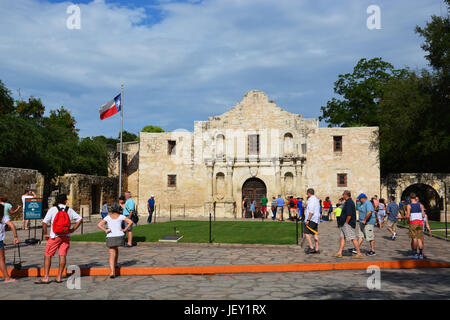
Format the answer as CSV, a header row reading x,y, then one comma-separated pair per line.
x,y
17,265
135,217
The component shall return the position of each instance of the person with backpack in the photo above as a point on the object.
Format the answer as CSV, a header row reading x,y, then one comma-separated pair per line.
x,y
114,235
59,219
4,221
293,210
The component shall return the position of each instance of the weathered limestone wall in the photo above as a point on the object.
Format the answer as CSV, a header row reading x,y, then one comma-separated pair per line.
x,y
213,162
358,159
88,192
14,181
155,164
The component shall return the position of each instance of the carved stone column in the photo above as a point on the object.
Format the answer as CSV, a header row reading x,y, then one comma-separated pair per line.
x,y
209,203
229,195
277,177
229,200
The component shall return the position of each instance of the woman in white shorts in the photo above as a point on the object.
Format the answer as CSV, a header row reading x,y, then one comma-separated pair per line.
x,y
381,212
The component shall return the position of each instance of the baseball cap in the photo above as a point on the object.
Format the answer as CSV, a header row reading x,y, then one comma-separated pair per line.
x,y
362,195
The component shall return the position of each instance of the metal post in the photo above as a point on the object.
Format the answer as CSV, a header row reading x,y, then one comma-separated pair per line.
x,y
121,144
210,222
170,212
445,210
296,230
82,220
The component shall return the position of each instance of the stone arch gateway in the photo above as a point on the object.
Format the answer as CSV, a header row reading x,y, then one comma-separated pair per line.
x,y
254,189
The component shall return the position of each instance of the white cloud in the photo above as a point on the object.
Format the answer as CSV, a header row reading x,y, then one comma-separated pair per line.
x,y
200,59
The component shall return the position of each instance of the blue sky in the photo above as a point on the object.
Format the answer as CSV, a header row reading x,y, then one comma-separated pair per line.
x,y
183,61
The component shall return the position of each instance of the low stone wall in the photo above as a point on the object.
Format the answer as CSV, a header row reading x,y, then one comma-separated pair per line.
x,y
88,192
14,181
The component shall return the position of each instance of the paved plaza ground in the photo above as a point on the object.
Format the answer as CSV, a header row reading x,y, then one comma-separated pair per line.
x,y
395,284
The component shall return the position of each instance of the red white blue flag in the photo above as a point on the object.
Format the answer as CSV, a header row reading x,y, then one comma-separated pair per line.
x,y
111,107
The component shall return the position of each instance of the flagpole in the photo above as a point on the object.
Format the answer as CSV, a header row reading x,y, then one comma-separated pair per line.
x,y
121,144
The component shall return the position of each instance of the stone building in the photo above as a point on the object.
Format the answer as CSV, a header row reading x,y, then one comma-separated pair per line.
x,y
254,149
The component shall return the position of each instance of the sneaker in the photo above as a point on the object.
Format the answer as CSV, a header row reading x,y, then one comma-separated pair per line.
x,y
414,256
424,256
309,250
126,245
354,251
370,253
420,257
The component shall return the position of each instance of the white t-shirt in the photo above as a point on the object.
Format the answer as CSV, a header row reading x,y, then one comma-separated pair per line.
x,y
2,228
115,225
313,206
51,214
23,203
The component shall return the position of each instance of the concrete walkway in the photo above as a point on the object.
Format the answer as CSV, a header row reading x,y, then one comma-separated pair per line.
x,y
434,283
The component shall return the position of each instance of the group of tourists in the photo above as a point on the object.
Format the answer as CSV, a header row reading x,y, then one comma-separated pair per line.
x,y
369,213
117,222
295,207
369,216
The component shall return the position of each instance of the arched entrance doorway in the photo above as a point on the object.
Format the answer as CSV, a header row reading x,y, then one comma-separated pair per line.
x,y
428,197
254,189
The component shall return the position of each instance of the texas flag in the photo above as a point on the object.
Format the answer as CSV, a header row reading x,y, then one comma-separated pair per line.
x,y
111,108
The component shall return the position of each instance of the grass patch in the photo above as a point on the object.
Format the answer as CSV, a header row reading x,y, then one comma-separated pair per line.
x,y
245,232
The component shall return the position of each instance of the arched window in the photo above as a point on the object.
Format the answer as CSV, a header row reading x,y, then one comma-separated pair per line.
x,y
288,144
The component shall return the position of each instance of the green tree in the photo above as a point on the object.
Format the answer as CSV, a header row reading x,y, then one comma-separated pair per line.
x,y
62,117
91,158
128,136
437,41
151,128
361,91
403,109
31,109
6,101
106,141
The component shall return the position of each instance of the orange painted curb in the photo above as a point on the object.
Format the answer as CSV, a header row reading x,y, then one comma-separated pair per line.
x,y
138,271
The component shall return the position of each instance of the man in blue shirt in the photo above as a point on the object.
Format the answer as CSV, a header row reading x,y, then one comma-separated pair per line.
x,y
128,210
392,211
151,208
366,223
280,204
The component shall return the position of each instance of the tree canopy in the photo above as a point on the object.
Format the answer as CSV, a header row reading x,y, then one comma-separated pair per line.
x,y
50,144
411,109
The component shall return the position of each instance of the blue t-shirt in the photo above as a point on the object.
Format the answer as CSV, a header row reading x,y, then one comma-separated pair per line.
x,y
392,208
7,207
129,206
363,209
280,202
151,203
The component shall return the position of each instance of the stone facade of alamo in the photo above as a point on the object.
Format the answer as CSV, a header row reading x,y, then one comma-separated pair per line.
x,y
254,149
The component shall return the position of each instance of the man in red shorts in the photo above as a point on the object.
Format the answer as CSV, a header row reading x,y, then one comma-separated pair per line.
x,y
57,242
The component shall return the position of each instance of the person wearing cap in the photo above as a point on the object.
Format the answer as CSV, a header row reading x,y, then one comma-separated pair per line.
x,y
366,223
115,234
151,208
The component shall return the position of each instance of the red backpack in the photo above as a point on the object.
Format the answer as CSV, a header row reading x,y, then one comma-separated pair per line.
x,y
61,223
